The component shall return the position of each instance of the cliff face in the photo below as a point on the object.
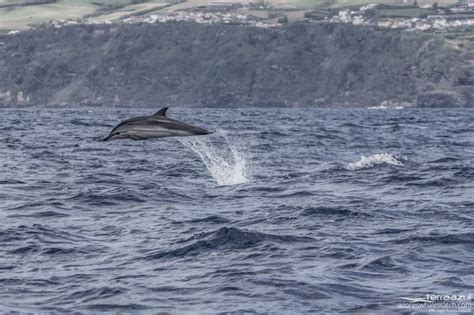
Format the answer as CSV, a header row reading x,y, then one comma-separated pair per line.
x,y
219,65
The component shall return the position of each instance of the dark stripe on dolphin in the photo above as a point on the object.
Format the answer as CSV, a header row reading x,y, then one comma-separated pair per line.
x,y
157,125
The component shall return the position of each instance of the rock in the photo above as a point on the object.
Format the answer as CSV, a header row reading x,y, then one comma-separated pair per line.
x,y
441,99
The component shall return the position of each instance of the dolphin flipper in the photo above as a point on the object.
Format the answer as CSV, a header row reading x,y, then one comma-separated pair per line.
x,y
109,136
135,137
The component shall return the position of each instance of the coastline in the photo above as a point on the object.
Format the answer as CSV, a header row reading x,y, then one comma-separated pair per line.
x,y
190,64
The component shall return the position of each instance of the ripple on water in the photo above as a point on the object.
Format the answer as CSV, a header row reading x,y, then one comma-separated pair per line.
x,y
276,214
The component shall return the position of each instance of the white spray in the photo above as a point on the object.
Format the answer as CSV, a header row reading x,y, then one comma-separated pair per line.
x,y
376,159
225,160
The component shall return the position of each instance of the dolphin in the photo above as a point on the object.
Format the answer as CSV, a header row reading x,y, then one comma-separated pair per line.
x,y
157,125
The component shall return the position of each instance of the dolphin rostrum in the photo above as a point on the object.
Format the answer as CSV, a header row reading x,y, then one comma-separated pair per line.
x,y
153,126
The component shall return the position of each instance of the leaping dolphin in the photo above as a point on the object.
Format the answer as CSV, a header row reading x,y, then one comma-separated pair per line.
x,y
153,126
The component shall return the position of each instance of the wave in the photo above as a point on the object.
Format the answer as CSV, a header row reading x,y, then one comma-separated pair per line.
x,y
226,237
225,161
383,263
326,211
214,219
106,197
10,181
447,159
41,214
89,295
374,160
40,235
434,182
129,308
460,238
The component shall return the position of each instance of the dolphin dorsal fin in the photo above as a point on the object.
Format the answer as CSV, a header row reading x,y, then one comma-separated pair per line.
x,y
161,112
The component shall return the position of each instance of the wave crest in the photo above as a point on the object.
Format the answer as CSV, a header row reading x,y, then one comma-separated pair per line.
x,y
226,237
374,160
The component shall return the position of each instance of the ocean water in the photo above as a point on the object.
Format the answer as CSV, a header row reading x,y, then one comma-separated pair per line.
x,y
280,211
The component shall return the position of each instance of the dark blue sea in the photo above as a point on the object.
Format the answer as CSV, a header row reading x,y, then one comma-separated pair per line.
x,y
281,211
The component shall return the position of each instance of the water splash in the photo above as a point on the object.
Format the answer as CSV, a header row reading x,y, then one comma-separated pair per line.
x,y
373,160
386,107
224,159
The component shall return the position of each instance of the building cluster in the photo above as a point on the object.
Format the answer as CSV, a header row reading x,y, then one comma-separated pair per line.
x,y
365,16
430,18
463,8
204,18
19,97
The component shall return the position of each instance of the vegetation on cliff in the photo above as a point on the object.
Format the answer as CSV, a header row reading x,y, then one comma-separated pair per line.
x,y
223,65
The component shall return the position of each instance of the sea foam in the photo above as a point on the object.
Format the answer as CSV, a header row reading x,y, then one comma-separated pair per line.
x,y
373,160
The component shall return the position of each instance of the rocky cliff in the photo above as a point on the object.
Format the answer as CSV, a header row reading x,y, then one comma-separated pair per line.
x,y
228,65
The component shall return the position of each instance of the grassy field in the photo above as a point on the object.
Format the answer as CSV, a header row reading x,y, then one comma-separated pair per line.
x,y
19,17
128,10
17,14
297,4
406,12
